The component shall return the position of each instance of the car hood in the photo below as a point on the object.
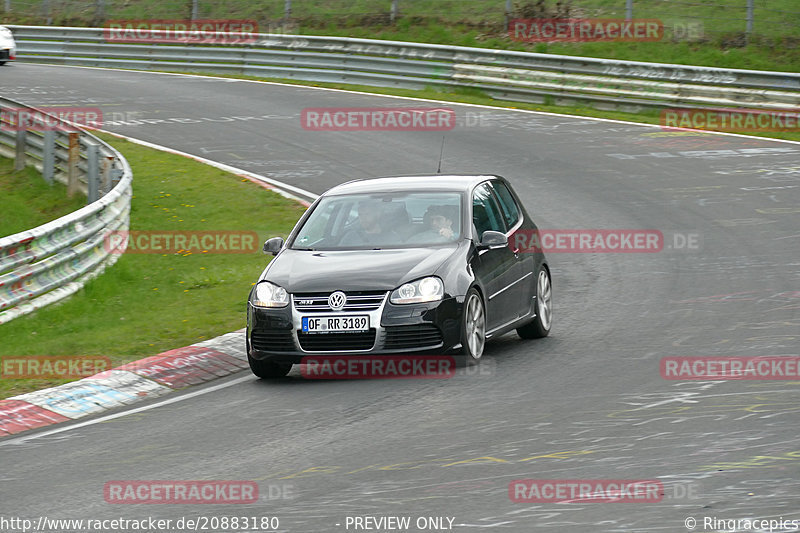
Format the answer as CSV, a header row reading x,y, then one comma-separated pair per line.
x,y
353,270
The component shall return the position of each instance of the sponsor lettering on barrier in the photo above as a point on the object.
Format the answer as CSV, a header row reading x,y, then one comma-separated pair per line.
x,y
186,366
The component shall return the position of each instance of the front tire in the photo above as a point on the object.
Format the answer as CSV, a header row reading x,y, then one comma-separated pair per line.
x,y
473,327
540,326
267,369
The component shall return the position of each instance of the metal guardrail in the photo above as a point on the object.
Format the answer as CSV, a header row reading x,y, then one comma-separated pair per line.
x,y
501,74
45,264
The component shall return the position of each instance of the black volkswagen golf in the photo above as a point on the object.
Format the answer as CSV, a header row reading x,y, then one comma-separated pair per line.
x,y
396,265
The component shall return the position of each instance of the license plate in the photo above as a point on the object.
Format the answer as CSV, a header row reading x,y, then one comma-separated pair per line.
x,y
335,324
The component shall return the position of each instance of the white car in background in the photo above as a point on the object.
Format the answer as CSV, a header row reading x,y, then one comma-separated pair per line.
x,y
8,47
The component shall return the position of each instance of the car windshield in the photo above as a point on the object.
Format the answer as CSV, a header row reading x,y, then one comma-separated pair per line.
x,y
386,220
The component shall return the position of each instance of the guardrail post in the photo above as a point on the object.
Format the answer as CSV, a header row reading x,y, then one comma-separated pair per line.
x,y
72,163
508,12
8,6
287,10
393,13
19,159
750,18
46,11
65,249
93,173
49,156
628,9
105,173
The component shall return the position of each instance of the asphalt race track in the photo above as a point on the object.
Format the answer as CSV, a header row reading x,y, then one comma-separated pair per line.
x,y
588,402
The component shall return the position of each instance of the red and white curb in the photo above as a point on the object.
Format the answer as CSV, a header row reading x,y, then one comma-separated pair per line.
x,y
132,382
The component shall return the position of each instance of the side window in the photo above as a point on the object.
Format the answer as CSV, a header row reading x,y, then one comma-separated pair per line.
x,y
507,203
485,212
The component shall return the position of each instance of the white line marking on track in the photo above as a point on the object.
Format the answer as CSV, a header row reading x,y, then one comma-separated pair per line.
x,y
496,108
214,388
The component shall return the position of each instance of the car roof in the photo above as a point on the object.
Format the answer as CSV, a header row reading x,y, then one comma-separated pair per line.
x,y
427,182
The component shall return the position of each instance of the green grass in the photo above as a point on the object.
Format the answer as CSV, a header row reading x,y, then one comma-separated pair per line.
x,y
146,304
28,201
720,41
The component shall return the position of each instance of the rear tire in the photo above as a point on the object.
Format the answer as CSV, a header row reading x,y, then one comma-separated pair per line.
x,y
540,326
268,369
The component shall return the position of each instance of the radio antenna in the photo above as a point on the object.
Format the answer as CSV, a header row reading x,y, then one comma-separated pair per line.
x,y
439,169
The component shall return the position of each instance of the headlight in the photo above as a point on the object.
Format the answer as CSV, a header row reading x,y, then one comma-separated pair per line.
x,y
270,295
423,290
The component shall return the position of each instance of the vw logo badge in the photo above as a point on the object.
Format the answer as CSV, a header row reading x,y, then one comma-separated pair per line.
x,y
337,300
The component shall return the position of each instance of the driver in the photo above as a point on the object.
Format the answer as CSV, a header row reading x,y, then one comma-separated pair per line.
x,y
439,224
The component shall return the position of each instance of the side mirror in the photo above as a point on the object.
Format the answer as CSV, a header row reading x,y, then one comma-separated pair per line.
x,y
493,239
273,245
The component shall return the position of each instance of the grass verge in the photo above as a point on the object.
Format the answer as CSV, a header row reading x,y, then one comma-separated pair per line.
x,y
149,303
28,201
696,33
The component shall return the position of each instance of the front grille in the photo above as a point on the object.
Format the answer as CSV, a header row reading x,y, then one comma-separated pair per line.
x,y
273,340
413,336
356,301
334,342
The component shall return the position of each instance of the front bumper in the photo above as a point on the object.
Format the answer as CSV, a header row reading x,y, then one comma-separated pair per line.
x,y
430,328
